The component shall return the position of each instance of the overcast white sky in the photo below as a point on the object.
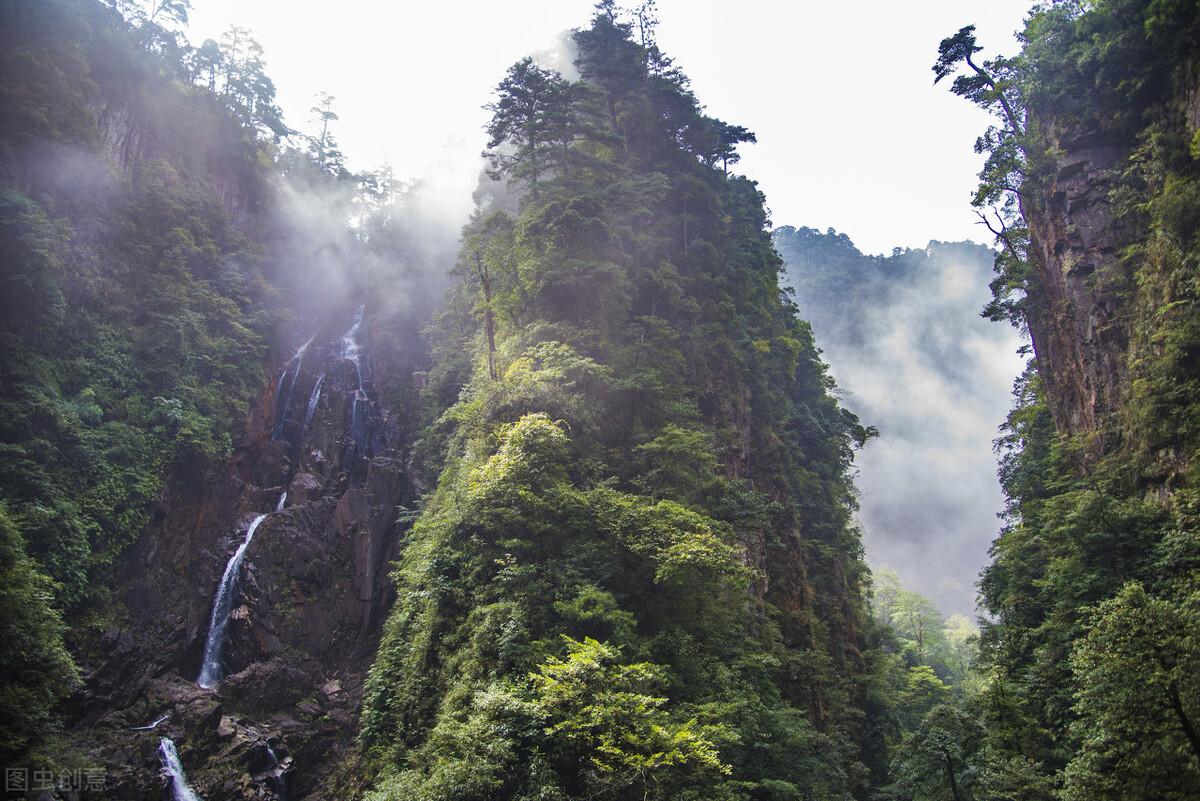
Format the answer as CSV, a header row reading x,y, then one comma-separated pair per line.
x,y
851,131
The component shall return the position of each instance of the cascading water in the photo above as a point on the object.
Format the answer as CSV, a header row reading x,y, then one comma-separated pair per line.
x,y
352,351
350,347
282,501
210,666
283,402
312,400
357,427
180,791
277,782
152,726
277,401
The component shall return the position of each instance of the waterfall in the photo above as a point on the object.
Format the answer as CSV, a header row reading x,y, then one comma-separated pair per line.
x,y
277,782
312,400
282,501
210,667
282,404
152,726
350,347
276,402
357,427
180,791
353,351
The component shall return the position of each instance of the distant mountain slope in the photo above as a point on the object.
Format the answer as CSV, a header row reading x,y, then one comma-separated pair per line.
x,y
904,339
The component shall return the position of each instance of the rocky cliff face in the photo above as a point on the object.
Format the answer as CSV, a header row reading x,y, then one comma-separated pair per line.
x,y
1075,325
1107,279
312,591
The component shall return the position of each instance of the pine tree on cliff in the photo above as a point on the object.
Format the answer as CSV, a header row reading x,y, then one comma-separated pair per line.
x,y
637,577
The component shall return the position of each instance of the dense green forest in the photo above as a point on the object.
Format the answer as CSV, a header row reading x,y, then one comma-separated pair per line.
x,y
145,269
134,310
637,575
1090,648
593,518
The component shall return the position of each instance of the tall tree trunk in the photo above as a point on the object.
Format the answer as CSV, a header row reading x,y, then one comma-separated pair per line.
x,y
489,321
1184,721
532,136
949,763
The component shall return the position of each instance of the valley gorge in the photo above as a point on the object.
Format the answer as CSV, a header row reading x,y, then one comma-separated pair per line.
x,y
310,491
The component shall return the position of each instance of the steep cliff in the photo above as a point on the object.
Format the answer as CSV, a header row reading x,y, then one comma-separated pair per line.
x,y
1097,160
637,577
1075,323
182,505
325,462
1092,185
133,320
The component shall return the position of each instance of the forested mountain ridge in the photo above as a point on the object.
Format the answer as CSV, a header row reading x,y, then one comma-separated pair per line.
x,y
268,530
637,576
644,489
1091,650
133,309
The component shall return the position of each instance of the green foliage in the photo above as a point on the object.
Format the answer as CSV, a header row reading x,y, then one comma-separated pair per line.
x,y
1072,541
595,613
920,635
678,463
1137,673
922,691
132,314
934,760
541,116
925,689
637,577
36,669
681,544
32,269
605,713
1097,555
131,338
919,625
148,370
323,148
488,739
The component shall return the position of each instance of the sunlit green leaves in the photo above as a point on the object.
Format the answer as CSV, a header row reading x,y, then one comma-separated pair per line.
x,y
608,712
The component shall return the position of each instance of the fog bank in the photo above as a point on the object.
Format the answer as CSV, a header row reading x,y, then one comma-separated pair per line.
x,y
911,355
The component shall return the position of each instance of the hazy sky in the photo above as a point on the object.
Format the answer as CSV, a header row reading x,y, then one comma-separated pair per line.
x,y
851,131
852,134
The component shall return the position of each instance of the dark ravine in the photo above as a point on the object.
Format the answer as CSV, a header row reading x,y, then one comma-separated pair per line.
x,y
306,615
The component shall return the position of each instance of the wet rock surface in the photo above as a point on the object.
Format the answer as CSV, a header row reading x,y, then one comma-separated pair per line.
x,y
313,590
